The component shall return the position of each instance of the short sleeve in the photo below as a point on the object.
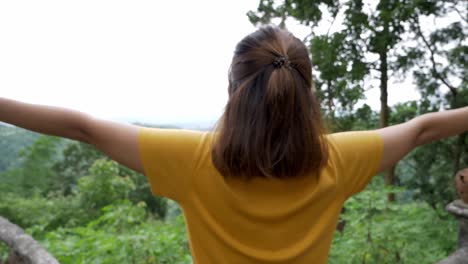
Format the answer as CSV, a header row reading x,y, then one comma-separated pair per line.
x,y
168,157
357,156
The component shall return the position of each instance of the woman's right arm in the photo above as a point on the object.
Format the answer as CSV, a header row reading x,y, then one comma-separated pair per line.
x,y
119,141
400,139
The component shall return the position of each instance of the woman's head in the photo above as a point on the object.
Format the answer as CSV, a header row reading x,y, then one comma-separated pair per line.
x,y
272,124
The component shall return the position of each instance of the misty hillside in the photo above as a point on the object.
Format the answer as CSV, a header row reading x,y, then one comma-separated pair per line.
x,y
12,140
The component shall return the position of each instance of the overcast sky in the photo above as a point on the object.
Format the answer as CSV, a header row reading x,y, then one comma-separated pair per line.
x,y
147,61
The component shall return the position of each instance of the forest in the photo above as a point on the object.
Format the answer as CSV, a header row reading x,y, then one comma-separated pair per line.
x,y
83,207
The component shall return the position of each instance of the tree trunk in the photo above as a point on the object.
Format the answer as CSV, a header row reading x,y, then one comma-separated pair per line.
x,y
389,177
457,153
331,112
389,180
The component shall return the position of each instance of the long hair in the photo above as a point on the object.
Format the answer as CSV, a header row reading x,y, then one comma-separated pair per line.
x,y
272,125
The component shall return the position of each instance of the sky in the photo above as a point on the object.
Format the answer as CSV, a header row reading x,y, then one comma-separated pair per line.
x,y
159,62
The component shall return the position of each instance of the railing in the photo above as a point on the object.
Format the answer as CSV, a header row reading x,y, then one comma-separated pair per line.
x,y
23,248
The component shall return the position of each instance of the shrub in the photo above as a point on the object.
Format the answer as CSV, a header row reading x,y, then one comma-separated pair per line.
x,y
377,231
123,234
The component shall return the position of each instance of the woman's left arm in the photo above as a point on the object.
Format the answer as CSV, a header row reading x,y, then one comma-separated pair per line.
x,y
118,141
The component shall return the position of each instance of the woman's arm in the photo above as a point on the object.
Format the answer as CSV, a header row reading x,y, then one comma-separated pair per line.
x,y
401,139
118,141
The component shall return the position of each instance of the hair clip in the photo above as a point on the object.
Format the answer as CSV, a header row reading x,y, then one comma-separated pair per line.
x,y
281,61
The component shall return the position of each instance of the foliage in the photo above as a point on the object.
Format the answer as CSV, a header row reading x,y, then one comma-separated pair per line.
x,y
122,234
41,213
338,79
101,200
34,174
377,231
428,175
142,192
77,159
4,250
103,186
428,170
12,140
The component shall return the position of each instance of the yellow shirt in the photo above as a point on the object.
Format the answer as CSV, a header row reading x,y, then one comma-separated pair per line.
x,y
264,220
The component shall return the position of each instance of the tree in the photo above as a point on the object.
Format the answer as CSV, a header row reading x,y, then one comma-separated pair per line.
x,y
12,140
103,186
438,62
366,47
34,174
77,158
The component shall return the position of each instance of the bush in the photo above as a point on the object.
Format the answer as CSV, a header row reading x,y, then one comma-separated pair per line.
x,y
123,234
103,186
40,214
4,251
377,231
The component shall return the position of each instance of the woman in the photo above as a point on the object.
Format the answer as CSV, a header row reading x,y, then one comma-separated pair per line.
x,y
269,185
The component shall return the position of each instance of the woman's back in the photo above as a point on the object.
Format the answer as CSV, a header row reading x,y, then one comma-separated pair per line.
x,y
261,220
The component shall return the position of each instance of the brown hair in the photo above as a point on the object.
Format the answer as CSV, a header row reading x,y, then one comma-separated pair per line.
x,y
272,125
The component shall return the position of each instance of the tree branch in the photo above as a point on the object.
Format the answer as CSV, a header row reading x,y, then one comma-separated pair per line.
x,y
432,51
454,7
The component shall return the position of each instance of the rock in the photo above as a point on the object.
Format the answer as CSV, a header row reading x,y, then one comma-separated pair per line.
x,y
460,210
